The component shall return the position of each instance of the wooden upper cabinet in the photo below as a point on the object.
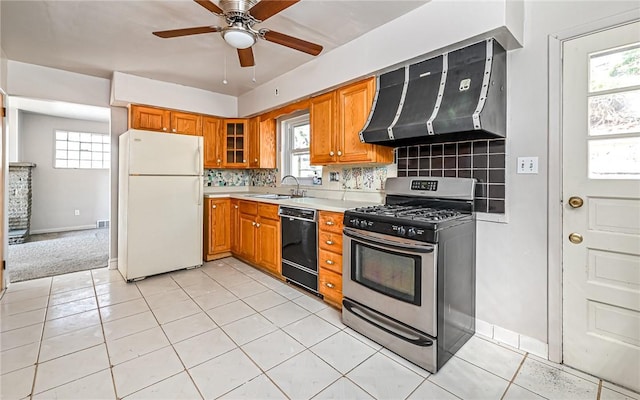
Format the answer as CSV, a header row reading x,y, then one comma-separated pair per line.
x,y
149,118
186,123
236,143
322,121
213,142
354,106
336,121
163,120
262,143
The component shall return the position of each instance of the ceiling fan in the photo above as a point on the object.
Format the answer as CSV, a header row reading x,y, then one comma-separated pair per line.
x,y
241,16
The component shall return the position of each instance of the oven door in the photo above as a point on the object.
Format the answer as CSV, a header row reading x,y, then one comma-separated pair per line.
x,y
393,276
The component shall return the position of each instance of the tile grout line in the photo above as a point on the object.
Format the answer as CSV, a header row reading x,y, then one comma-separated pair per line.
x,y
104,337
35,371
599,389
526,354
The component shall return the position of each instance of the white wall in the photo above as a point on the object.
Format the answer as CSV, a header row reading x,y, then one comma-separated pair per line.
x,y
34,81
512,256
58,192
129,89
432,28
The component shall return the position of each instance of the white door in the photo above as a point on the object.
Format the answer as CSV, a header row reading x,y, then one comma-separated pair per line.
x,y
164,224
601,204
154,153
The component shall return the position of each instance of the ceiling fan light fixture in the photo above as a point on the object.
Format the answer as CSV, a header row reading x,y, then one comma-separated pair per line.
x,y
238,36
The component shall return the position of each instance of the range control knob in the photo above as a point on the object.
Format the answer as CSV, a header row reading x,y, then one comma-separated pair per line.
x,y
401,231
355,222
363,224
411,232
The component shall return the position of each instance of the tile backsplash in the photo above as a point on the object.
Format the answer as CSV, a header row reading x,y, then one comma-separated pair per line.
x,y
364,178
481,159
240,177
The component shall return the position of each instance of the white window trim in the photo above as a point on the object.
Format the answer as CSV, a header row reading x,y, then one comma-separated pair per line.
x,y
55,149
286,128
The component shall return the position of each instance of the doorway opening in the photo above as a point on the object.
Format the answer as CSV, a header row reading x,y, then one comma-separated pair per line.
x,y
58,189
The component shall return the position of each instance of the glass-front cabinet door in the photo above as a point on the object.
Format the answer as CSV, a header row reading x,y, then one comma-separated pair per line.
x,y
236,142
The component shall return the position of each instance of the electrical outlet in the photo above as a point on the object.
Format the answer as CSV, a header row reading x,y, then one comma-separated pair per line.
x,y
77,212
527,165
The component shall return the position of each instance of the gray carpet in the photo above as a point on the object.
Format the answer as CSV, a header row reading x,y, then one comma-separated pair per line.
x,y
49,254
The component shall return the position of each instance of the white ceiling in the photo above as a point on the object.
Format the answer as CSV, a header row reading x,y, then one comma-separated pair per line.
x,y
99,37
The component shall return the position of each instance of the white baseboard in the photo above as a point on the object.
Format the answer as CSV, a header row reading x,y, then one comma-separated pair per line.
x,y
65,229
113,263
512,339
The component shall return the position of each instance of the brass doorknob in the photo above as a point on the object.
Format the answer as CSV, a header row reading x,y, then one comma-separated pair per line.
x,y
575,238
575,202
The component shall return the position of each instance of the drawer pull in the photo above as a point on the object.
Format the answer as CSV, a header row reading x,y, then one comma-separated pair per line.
x,y
330,285
329,242
330,262
330,223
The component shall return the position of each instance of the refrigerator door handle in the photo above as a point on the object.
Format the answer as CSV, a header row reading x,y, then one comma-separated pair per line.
x,y
200,189
200,168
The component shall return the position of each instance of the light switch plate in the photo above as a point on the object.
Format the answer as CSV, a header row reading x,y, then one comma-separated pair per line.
x,y
527,165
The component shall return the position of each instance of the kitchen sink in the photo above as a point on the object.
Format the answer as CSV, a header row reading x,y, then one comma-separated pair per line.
x,y
272,196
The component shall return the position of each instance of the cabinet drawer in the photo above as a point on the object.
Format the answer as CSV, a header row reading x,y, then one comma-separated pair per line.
x,y
268,211
330,286
330,221
329,260
330,241
248,207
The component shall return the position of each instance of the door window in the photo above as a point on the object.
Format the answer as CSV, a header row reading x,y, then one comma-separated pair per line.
x,y
614,114
394,274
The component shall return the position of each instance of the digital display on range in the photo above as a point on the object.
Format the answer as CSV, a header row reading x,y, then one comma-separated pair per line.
x,y
430,186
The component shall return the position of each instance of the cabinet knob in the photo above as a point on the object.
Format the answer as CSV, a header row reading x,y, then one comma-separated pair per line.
x,y
234,206
214,206
244,160
164,129
330,285
339,153
253,223
257,225
331,153
219,161
329,242
174,130
330,262
330,223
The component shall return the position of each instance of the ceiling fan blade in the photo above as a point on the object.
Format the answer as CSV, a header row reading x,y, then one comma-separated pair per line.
x,y
292,42
210,6
246,57
186,31
268,8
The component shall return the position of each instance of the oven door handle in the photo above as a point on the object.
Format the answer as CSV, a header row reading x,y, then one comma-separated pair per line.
x,y
412,247
386,324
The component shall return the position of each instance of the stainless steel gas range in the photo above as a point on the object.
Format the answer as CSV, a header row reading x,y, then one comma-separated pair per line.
x,y
409,269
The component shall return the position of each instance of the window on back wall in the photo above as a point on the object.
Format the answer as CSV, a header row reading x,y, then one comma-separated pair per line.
x,y
296,135
82,150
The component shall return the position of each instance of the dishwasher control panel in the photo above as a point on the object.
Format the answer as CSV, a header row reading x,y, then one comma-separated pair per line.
x,y
307,214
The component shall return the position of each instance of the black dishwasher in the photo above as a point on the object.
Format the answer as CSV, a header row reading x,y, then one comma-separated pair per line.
x,y
300,246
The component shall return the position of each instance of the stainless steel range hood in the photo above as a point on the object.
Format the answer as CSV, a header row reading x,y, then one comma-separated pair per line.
x,y
456,96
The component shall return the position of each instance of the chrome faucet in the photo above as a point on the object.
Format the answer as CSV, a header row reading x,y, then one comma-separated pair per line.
x,y
296,191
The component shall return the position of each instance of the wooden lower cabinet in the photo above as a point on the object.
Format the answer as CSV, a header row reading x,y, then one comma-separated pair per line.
x,y
330,256
217,233
235,225
259,235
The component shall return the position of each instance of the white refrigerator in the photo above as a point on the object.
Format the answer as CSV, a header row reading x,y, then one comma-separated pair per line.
x,y
159,203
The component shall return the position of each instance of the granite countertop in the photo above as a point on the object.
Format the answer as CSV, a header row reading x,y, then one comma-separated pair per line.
x,y
304,202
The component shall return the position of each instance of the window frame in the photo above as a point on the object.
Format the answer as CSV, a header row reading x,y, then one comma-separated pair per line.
x,y
287,125
105,164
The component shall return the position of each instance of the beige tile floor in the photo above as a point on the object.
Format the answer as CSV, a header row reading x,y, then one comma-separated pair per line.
x,y
227,330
